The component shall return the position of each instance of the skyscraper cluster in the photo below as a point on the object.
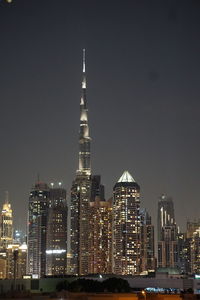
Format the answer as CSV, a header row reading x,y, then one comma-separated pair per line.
x,y
88,234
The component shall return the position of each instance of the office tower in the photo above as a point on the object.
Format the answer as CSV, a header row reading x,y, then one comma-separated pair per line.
x,y
81,192
100,230
16,258
6,224
195,252
183,251
191,244
148,261
126,225
3,264
37,227
56,247
167,234
165,213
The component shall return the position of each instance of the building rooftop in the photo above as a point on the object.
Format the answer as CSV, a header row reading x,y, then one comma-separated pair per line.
x,y
126,177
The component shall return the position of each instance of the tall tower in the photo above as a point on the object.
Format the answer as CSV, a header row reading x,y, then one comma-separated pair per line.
x,y
148,261
56,248
6,224
126,225
37,227
84,138
81,192
167,234
100,235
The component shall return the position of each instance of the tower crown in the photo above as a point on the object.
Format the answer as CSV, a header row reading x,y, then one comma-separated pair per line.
x,y
126,177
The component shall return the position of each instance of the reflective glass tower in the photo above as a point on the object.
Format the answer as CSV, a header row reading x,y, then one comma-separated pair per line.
x,y
56,246
37,227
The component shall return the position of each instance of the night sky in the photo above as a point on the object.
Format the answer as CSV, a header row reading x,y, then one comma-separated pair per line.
x,y
143,79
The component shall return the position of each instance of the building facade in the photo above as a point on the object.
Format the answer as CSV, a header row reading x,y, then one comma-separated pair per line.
x,y
126,226
100,230
16,260
37,228
56,245
148,261
167,234
6,224
195,252
81,192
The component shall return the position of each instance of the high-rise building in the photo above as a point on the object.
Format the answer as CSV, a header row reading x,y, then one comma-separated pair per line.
x,y
183,253
37,227
56,246
167,234
148,261
191,245
195,252
81,192
126,226
165,213
3,264
100,230
16,259
6,224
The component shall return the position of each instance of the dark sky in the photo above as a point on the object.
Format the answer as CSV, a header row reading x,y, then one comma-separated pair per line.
x,y
143,72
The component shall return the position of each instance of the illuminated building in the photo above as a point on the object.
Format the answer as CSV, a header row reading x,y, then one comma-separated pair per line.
x,y
6,224
3,264
81,192
167,234
165,213
56,247
16,258
195,252
192,226
126,225
148,261
183,253
100,231
37,227
190,244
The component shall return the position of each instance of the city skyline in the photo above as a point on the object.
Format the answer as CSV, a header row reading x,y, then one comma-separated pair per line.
x,y
139,106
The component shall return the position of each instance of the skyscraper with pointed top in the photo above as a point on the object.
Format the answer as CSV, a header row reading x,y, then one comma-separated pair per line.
x,y
126,226
84,137
81,192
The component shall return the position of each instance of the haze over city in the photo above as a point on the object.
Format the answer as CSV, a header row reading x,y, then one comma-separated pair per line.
x,y
142,90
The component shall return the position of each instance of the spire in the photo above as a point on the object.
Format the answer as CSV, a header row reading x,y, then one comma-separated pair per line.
x,y
83,60
84,138
84,76
126,177
6,197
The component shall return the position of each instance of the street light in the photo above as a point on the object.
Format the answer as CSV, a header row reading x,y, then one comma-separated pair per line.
x,y
144,294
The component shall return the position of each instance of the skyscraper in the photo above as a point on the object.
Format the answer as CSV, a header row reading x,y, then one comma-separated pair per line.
x,y
56,247
195,252
165,213
167,234
148,262
100,230
126,225
6,224
37,227
81,192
